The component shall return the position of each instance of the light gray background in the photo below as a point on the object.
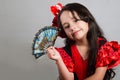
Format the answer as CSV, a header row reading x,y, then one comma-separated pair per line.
x,y
21,19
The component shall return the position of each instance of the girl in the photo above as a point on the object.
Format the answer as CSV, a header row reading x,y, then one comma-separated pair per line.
x,y
87,54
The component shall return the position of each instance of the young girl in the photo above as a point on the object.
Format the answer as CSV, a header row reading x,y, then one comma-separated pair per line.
x,y
87,54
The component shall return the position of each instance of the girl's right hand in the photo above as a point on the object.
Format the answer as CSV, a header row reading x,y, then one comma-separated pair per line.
x,y
53,53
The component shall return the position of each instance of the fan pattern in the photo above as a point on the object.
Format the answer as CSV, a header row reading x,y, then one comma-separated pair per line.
x,y
44,38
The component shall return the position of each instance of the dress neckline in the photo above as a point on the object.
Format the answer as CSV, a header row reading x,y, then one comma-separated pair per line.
x,y
76,50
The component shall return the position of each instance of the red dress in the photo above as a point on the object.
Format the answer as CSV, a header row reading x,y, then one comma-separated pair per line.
x,y
108,55
80,65
75,63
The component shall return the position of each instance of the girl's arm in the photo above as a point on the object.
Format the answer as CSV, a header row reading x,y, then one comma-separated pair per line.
x,y
99,74
64,74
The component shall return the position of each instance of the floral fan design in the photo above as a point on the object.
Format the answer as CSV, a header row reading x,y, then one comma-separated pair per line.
x,y
44,38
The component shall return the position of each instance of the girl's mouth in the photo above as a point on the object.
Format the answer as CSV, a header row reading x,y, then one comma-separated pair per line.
x,y
74,33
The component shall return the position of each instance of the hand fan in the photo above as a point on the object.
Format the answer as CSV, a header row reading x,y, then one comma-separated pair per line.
x,y
44,38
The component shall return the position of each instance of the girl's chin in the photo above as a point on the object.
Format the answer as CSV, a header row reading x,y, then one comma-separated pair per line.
x,y
78,37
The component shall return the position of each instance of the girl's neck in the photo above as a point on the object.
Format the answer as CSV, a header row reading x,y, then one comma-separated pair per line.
x,y
82,43
83,48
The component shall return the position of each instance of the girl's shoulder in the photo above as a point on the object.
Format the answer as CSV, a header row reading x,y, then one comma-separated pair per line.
x,y
109,55
65,54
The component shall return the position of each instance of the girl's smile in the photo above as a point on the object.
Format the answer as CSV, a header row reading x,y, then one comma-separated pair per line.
x,y
76,32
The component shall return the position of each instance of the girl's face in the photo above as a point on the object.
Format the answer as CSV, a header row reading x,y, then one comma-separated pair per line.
x,y
74,28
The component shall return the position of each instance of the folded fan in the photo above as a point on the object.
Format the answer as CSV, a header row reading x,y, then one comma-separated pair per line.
x,y
44,38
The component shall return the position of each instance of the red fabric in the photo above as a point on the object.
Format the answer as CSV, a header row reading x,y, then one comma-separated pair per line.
x,y
100,39
55,9
54,22
66,59
80,64
109,55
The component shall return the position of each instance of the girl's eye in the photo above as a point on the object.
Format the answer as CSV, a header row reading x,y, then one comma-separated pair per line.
x,y
76,20
67,26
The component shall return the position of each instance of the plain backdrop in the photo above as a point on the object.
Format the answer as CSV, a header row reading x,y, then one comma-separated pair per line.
x,y
21,19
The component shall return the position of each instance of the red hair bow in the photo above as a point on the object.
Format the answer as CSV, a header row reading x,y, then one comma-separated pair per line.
x,y
55,10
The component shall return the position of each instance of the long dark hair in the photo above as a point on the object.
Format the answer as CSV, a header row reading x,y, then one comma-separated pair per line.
x,y
93,34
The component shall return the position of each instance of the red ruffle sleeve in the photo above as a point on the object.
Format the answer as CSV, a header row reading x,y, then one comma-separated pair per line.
x,y
66,59
109,55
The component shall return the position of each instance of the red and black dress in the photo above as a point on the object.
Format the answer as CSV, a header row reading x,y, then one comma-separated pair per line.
x,y
108,55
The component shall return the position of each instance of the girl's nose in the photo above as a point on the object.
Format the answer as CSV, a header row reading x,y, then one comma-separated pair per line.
x,y
72,26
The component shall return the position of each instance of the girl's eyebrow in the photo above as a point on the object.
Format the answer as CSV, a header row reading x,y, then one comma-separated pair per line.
x,y
67,23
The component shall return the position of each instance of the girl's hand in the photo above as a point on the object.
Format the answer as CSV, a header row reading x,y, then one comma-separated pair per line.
x,y
53,53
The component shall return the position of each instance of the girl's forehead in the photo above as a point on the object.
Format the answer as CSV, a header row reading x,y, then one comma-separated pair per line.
x,y
66,14
65,17
69,14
